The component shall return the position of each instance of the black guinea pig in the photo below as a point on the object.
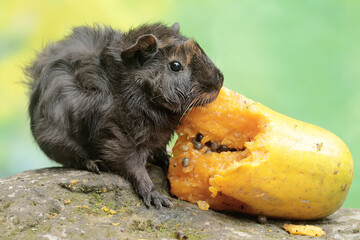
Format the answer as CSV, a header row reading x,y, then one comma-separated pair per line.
x,y
106,100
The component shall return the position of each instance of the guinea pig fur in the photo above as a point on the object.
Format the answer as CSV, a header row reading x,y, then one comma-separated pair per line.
x,y
102,99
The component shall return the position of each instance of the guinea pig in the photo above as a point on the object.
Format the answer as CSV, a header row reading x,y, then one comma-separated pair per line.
x,y
102,99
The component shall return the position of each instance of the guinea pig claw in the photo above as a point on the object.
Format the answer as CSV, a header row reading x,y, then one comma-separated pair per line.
x,y
157,199
167,203
157,203
92,166
147,203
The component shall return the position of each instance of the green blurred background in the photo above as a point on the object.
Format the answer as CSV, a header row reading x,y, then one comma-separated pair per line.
x,y
300,58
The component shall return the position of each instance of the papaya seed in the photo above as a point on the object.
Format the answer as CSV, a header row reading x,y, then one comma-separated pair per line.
x,y
185,162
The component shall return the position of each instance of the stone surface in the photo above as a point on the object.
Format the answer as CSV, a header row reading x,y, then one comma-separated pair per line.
x,y
60,203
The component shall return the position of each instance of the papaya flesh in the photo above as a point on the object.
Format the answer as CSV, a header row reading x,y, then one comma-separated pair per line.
x,y
236,154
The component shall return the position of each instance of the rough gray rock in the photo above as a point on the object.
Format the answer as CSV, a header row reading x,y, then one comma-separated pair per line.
x,y
60,203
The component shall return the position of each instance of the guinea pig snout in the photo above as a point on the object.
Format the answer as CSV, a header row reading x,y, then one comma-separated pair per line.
x,y
216,80
219,79
212,81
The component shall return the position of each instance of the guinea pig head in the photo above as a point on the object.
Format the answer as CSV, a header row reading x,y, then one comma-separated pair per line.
x,y
173,71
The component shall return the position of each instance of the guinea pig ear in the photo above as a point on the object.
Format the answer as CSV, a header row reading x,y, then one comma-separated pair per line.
x,y
176,27
144,48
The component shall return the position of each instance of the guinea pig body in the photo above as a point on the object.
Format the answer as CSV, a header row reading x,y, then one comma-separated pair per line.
x,y
105,100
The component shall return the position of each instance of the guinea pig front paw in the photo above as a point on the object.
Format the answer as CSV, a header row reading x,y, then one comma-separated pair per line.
x,y
157,199
92,165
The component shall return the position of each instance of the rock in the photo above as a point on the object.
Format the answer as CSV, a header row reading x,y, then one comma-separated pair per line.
x,y
61,203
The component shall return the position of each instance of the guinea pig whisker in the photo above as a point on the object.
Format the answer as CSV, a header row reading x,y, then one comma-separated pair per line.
x,y
153,98
181,94
193,103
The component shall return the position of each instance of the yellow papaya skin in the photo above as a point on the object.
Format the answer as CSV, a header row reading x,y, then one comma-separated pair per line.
x,y
283,168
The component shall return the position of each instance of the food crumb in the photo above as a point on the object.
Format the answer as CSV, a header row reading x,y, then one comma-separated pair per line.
x,y
203,205
68,201
105,209
74,181
82,206
304,230
115,224
112,212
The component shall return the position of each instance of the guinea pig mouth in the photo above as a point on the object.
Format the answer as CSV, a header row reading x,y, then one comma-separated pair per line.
x,y
201,100
206,98
196,100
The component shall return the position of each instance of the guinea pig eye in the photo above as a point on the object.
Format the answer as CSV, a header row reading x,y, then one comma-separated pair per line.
x,y
175,66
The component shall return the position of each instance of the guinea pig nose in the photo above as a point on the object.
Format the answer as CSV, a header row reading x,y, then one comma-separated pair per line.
x,y
220,78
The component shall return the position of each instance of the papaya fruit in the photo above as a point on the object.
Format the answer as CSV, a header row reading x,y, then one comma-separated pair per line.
x,y
236,154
